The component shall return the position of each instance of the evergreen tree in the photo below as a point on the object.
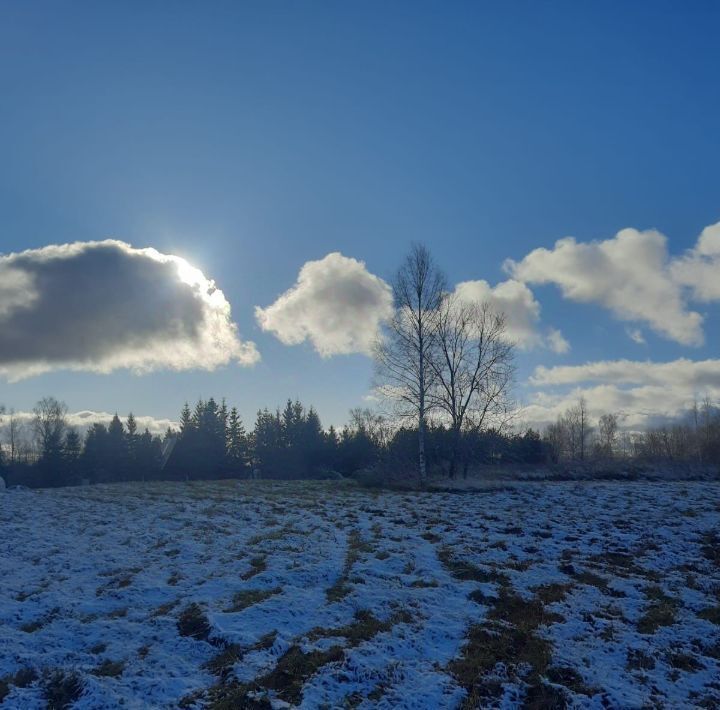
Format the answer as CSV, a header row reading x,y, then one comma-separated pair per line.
x,y
186,420
131,438
201,449
148,456
237,443
117,451
131,426
72,448
50,425
268,442
95,458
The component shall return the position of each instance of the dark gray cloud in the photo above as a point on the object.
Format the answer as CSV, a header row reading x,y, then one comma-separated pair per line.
x,y
105,305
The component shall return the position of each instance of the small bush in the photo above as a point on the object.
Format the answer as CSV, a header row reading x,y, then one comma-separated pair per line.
x,y
62,690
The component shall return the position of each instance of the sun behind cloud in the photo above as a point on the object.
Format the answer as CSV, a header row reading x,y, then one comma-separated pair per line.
x,y
105,305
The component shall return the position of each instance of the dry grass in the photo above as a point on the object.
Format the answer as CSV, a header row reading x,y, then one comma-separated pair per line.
x,y
257,565
363,628
62,690
638,660
224,660
194,623
294,668
662,611
552,593
286,680
165,609
355,548
110,669
247,597
467,571
711,614
510,641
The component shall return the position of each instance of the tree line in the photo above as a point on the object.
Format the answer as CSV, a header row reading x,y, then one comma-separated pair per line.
x,y
692,438
212,442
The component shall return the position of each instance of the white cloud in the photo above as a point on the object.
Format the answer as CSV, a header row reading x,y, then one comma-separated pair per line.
x,y
699,269
644,392
556,341
692,375
630,274
521,308
709,241
101,306
336,304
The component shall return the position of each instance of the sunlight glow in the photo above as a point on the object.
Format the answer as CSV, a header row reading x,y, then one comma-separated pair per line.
x,y
188,273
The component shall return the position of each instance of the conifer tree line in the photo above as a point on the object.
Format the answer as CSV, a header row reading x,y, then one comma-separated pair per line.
x,y
212,442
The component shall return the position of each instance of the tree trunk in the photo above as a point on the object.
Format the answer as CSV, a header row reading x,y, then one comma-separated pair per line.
x,y
454,448
421,452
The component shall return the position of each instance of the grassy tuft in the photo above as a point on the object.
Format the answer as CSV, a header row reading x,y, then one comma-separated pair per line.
x,y
110,669
711,614
62,690
247,597
257,565
194,623
467,571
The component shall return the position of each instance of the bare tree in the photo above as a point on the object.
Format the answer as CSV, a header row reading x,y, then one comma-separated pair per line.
x,y
472,365
556,438
50,424
569,435
374,425
578,428
607,434
13,436
404,352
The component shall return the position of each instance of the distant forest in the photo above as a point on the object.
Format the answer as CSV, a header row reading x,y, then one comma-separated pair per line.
x,y
212,442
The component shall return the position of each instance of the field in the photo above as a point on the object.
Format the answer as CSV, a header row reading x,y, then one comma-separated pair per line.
x,y
260,594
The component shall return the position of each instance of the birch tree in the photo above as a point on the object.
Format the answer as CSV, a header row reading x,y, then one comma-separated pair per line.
x,y
472,366
403,355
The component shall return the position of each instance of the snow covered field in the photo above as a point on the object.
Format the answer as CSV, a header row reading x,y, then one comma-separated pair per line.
x,y
259,594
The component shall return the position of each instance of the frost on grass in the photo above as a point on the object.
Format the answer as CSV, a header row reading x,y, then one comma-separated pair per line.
x,y
260,594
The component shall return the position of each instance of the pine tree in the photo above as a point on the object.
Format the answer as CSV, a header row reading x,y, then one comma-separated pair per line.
x,y
131,425
131,438
148,455
223,416
117,450
186,420
72,448
237,443
95,456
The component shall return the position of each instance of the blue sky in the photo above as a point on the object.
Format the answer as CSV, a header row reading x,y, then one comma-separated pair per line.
x,y
251,138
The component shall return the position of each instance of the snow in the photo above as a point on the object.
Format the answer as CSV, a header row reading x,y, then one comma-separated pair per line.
x,y
103,572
